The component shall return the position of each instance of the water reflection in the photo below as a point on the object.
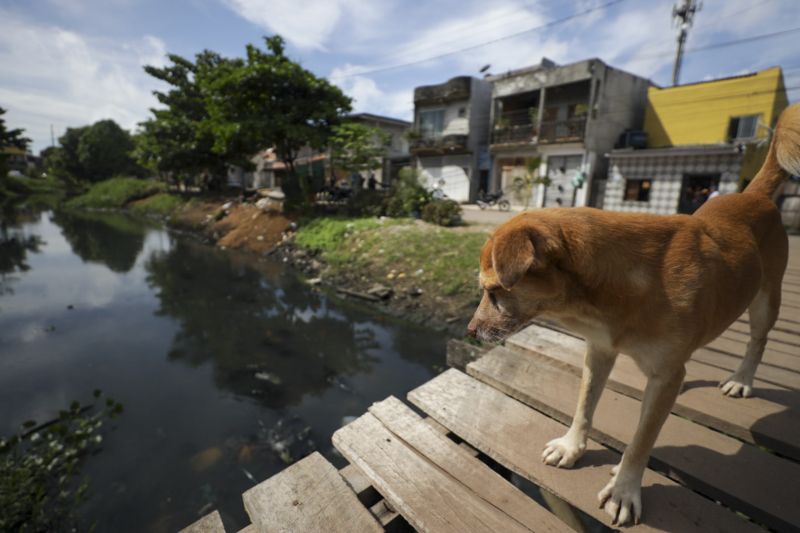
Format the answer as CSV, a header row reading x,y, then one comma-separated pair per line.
x,y
223,362
112,239
266,335
16,242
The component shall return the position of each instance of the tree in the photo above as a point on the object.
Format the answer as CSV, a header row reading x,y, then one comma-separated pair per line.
x,y
9,139
269,100
178,142
92,153
104,150
523,185
356,147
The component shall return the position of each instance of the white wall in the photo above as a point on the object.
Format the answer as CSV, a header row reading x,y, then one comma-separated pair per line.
x,y
451,169
453,124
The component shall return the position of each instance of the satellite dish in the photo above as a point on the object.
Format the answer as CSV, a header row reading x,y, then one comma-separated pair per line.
x,y
484,68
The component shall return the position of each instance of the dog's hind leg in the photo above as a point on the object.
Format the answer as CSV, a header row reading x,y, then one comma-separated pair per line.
x,y
763,313
564,451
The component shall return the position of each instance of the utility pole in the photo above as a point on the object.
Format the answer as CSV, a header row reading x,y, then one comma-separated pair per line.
x,y
683,15
52,136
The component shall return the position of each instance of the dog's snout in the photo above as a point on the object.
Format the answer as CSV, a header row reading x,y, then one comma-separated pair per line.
x,y
472,328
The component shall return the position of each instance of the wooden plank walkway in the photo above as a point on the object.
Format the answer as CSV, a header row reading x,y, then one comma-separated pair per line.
x,y
462,461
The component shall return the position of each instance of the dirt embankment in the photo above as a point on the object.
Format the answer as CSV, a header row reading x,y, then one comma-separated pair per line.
x,y
403,289
235,225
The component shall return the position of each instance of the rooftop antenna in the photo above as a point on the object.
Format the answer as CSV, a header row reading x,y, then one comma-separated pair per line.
x,y
683,16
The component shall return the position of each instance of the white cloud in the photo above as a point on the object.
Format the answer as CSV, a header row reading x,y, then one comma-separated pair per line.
x,y
310,24
369,97
55,76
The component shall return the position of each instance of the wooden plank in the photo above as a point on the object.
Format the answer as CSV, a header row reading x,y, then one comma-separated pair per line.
x,y
249,529
210,523
427,497
766,372
791,348
770,357
759,484
770,419
360,485
478,477
790,338
514,434
460,353
309,496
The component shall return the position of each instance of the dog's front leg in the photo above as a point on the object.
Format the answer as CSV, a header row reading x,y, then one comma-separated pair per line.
x,y
597,365
621,498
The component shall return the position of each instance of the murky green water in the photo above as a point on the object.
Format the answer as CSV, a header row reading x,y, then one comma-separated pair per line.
x,y
224,363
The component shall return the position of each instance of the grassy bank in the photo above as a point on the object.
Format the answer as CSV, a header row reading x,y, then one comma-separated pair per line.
x,y
140,196
32,191
411,257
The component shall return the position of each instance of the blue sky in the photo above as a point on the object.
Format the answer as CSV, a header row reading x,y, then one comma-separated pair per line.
x,y
72,62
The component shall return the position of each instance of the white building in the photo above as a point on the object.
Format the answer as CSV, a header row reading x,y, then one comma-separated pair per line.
x,y
449,141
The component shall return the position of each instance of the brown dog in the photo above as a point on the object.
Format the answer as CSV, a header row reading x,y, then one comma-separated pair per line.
x,y
653,287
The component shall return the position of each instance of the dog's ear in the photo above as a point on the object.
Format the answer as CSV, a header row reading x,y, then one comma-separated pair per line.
x,y
512,255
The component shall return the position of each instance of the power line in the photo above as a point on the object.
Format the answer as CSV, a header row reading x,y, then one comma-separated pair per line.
x,y
724,44
550,24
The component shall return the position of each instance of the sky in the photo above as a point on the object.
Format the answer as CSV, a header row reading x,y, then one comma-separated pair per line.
x,y
67,63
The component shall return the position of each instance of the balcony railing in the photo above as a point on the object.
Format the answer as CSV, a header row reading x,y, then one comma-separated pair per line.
x,y
515,127
437,143
559,131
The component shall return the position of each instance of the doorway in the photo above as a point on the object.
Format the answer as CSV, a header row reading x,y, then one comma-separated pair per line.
x,y
695,189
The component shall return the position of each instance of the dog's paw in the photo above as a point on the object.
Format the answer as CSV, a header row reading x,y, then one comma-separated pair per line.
x,y
563,452
737,387
622,501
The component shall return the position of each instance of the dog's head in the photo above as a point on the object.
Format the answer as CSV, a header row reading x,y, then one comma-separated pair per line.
x,y
518,276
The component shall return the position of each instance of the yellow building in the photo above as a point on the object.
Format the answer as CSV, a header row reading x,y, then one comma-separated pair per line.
x,y
715,112
701,138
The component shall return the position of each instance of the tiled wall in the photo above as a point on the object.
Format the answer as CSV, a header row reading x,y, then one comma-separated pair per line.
x,y
666,174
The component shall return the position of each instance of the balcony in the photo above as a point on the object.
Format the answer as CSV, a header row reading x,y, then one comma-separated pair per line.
x,y
562,131
437,144
515,127
455,89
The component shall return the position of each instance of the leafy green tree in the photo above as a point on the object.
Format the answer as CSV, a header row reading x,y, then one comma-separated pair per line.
x,y
93,153
104,150
269,100
8,139
177,142
356,147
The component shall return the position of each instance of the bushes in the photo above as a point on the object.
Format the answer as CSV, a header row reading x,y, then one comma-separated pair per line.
x,y
161,204
116,192
408,197
442,212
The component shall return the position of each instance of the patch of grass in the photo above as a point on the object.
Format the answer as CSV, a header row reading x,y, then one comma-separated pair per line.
x,y
115,193
402,253
161,204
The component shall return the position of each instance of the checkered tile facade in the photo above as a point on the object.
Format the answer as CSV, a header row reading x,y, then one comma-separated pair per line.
x,y
666,174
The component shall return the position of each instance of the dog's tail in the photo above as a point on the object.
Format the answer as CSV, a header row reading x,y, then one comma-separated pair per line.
x,y
783,157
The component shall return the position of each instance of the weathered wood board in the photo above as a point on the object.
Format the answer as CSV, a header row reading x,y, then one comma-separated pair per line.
x,y
737,474
308,496
513,434
210,523
770,419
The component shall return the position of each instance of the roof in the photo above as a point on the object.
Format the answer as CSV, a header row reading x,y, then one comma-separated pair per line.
x,y
379,118
689,149
715,80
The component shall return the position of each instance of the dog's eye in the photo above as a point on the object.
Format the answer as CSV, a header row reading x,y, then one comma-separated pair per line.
x,y
492,298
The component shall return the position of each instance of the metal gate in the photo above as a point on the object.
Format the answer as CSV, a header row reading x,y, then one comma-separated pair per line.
x,y
561,170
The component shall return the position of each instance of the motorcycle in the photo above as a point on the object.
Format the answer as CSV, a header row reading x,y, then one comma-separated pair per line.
x,y
494,198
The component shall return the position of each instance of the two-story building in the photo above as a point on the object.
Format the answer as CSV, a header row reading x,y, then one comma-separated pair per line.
x,y
700,137
396,155
450,136
567,117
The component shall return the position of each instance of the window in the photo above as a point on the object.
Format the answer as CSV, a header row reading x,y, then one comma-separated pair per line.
x,y
743,127
637,190
431,123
